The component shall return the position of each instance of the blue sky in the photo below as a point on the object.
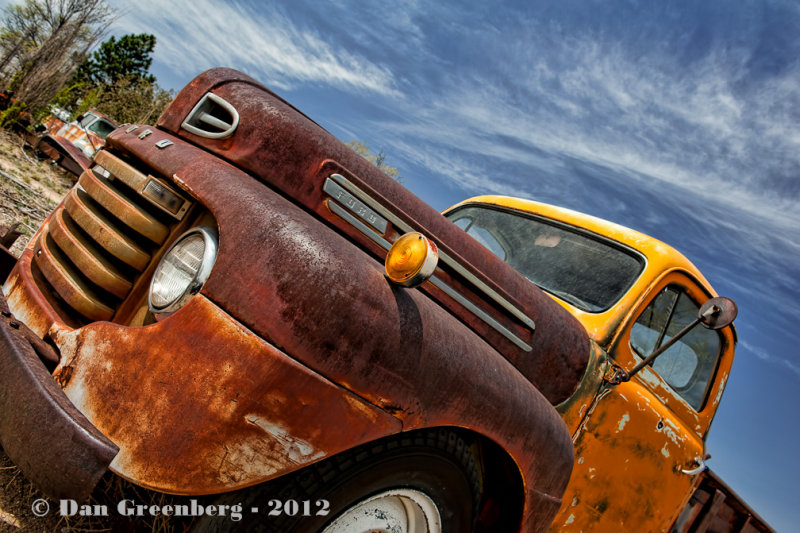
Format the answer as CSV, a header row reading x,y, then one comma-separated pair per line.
x,y
678,119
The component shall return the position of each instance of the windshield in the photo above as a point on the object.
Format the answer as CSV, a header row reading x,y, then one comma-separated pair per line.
x,y
102,128
579,267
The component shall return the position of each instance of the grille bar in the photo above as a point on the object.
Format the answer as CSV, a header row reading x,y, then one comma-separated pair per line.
x,y
96,247
105,194
68,283
104,231
86,256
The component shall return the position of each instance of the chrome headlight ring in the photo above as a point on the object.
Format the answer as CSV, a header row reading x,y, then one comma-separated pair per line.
x,y
183,270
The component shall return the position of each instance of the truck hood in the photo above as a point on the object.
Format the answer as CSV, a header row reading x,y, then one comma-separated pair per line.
x,y
286,150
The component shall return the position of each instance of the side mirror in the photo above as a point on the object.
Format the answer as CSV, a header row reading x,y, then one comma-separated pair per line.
x,y
80,118
716,313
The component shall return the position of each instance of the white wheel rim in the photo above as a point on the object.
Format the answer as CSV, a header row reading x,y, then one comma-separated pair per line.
x,y
391,511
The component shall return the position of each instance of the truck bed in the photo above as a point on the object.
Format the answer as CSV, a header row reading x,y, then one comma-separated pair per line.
x,y
716,508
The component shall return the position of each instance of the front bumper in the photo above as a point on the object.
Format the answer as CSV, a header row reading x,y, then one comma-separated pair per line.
x,y
53,443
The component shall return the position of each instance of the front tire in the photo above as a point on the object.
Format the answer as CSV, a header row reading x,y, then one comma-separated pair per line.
x,y
422,482
436,470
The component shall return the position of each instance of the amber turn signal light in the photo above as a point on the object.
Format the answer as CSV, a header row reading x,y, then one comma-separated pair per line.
x,y
411,260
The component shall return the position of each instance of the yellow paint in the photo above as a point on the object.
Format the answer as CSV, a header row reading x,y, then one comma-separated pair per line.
x,y
631,440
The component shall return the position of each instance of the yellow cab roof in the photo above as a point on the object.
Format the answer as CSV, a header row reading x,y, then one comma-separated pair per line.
x,y
660,259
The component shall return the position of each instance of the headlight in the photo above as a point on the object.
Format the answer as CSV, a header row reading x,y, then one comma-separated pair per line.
x,y
411,260
182,271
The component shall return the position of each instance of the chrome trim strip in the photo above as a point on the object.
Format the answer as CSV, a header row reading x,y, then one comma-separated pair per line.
x,y
480,313
449,261
355,205
341,212
444,287
525,319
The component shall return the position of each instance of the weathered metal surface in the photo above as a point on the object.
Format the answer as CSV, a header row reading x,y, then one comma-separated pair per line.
x,y
63,152
104,231
121,170
41,431
67,282
574,409
86,135
84,253
303,287
715,507
629,455
640,441
27,301
198,404
45,352
106,194
287,150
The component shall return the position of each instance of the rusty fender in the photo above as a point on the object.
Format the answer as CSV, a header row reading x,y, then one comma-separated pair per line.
x,y
306,289
198,404
64,152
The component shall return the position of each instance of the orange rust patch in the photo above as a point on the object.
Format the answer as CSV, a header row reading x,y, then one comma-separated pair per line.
x,y
198,404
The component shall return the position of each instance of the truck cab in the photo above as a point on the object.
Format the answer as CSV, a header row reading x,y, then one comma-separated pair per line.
x,y
639,443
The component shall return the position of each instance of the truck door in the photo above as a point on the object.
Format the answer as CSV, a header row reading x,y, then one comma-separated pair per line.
x,y
642,442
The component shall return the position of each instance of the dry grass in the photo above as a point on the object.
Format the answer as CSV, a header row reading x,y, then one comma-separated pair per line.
x,y
29,188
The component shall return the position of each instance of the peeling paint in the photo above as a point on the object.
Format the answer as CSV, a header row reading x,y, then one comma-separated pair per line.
x,y
628,448
718,396
299,450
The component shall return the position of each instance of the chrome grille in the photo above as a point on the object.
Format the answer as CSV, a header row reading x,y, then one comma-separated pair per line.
x,y
99,241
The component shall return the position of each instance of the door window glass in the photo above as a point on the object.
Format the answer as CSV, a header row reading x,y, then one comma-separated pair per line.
x,y
688,365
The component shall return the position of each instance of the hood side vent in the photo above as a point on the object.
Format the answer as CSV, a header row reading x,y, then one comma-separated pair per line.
x,y
212,118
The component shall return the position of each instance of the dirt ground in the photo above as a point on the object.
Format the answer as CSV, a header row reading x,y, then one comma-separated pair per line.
x,y
29,190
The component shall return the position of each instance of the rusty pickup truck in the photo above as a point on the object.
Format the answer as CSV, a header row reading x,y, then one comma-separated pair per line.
x,y
73,144
233,300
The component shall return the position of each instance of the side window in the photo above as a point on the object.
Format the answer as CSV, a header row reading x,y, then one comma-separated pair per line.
x,y
689,364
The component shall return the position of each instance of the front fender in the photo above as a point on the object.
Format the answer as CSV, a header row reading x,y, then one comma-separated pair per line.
x,y
198,404
306,289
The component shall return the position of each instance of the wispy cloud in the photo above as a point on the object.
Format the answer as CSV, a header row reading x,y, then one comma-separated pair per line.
x,y
697,132
780,362
259,39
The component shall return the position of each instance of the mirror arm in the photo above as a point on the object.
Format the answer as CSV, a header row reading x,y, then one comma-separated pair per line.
x,y
622,376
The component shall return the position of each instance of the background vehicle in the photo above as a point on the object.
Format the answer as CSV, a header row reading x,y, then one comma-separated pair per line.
x,y
72,145
234,297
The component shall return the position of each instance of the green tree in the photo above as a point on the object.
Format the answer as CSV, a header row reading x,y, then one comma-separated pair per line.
x,y
379,159
129,57
116,81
